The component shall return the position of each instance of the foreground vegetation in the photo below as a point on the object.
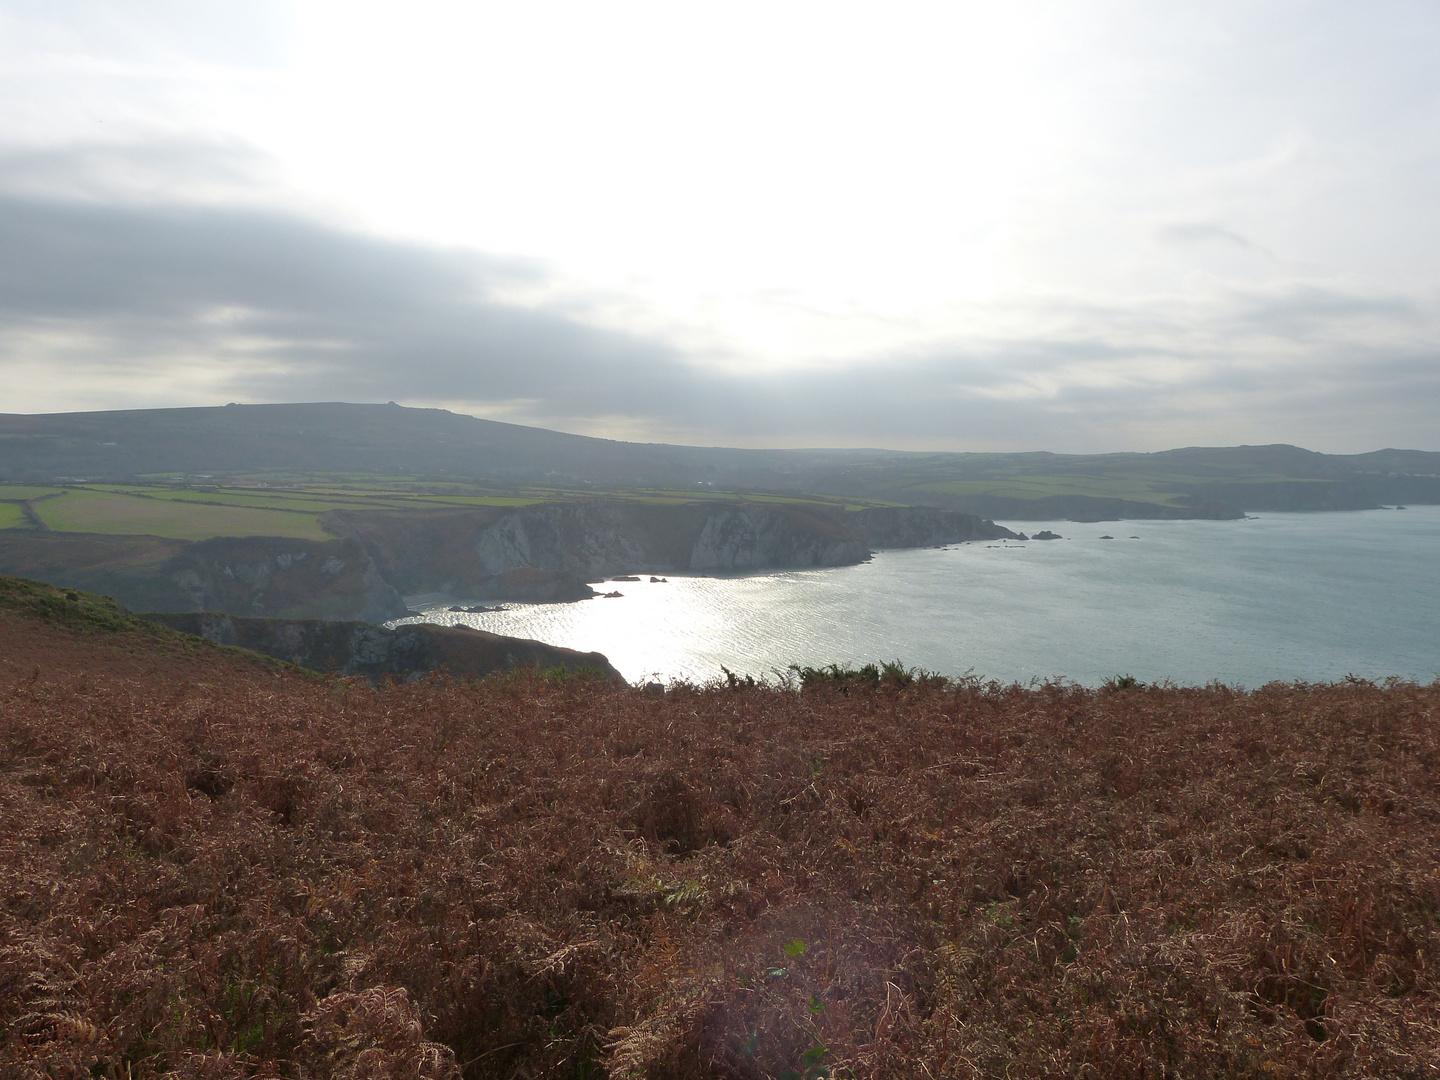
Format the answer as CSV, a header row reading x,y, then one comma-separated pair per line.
x,y
214,868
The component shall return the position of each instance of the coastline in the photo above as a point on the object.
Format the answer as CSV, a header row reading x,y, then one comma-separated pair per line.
x,y
1080,608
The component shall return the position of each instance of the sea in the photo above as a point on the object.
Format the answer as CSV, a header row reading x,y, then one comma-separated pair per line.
x,y
1313,597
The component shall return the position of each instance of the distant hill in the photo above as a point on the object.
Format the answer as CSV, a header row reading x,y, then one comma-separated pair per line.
x,y
303,440
388,440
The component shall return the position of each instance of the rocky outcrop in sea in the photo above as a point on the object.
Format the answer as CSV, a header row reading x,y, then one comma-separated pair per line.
x,y
542,553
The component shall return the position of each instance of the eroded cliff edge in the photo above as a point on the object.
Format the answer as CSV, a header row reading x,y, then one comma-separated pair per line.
x,y
920,526
544,552
253,575
549,550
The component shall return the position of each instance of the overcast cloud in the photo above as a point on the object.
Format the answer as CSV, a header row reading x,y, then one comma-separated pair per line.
x,y
1136,229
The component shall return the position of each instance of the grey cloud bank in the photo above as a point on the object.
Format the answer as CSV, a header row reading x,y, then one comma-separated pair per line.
x,y
1079,227
113,299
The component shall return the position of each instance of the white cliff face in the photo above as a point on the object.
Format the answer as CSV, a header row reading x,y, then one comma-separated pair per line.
x,y
555,547
757,538
504,546
596,540
546,552
585,540
602,542
728,542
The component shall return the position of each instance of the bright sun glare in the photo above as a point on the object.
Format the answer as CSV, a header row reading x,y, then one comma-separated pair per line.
x,y
785,166
1137,224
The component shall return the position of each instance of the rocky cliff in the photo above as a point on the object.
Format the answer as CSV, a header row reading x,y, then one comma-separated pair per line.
x,y
358,648
267,576
546,552
759,536
919,526
477,553
255,576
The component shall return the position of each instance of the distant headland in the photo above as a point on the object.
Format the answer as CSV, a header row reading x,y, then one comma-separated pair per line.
x,y
337,511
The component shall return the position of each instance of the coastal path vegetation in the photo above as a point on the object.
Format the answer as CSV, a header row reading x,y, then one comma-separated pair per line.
x,y
214,866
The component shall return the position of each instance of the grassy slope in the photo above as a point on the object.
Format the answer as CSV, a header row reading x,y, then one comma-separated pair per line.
x,y
1248,475
1033,476
238,873
80,631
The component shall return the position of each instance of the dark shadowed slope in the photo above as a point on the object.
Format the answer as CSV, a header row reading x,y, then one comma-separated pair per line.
x,y
357,648
336,437
388,440
42,626
256,575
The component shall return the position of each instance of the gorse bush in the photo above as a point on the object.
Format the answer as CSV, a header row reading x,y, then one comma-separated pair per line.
x,y
890,673
214,870
1123,682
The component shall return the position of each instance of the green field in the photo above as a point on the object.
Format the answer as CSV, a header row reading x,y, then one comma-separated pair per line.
x,y
255,508
674,497
25,491
1139,489
305,501
462,500
82,510
1169,479
317,500
326,493
1117,484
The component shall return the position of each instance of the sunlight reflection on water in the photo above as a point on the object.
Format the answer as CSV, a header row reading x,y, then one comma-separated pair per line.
x,y
1281,596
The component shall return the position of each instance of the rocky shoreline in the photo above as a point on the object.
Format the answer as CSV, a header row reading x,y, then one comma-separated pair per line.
x,y
543,553
553,552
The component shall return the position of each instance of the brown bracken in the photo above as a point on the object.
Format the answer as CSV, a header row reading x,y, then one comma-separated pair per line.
x,y
213,868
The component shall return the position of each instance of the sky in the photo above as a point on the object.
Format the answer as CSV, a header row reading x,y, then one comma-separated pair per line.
x,y
1077,226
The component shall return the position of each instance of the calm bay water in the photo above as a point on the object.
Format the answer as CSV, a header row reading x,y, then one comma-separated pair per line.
x,y
1282,596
